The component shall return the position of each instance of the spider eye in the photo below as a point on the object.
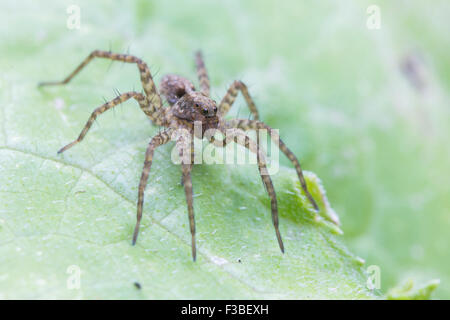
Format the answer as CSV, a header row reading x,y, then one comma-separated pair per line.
x,y
215,109
204,112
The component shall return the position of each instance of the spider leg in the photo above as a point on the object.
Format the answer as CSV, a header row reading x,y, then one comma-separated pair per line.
x,y
158,140
182,145
202,73
239,136
154,102
187,182
245,124
192,160
230,97
98,111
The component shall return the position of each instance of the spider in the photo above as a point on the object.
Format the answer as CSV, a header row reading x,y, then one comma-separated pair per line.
x,y
187,107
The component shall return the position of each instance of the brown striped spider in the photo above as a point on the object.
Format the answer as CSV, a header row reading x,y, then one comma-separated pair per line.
x,y
186,107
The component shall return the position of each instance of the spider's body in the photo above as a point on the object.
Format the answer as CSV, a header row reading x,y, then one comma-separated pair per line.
x,y
187,108
194,107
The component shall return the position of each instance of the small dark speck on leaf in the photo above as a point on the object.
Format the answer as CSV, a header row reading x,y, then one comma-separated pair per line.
x,y
137,285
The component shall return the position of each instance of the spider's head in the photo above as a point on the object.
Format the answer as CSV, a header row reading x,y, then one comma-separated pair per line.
x,y
196,106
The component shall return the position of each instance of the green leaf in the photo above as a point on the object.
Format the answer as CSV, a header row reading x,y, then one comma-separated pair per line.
x,y
75,212
334,89
57,215
407,291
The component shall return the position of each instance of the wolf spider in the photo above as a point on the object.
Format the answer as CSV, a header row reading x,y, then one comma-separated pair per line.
x,y
186,107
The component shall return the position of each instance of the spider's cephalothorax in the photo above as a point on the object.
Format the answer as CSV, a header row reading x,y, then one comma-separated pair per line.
x,y
188,106
196,106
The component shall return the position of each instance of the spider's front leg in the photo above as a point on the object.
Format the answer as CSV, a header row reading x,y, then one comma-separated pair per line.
x,y
153,102
158,140
245,124
192,157
184,144
187,183
239,137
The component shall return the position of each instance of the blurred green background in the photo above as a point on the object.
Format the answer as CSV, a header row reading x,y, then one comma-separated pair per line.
x,y
367,110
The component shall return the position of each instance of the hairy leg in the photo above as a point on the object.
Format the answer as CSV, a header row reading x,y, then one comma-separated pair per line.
x,y
153,101
202,73
156,141
239,136
192,154
230,97
256,125
183,144
106,106
187,182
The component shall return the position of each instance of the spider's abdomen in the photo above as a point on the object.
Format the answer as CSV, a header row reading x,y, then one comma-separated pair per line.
x,y
173,87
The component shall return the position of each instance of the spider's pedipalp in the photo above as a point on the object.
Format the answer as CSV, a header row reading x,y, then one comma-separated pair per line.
x,y
245,124
141,99
152,108
202,73
158,140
